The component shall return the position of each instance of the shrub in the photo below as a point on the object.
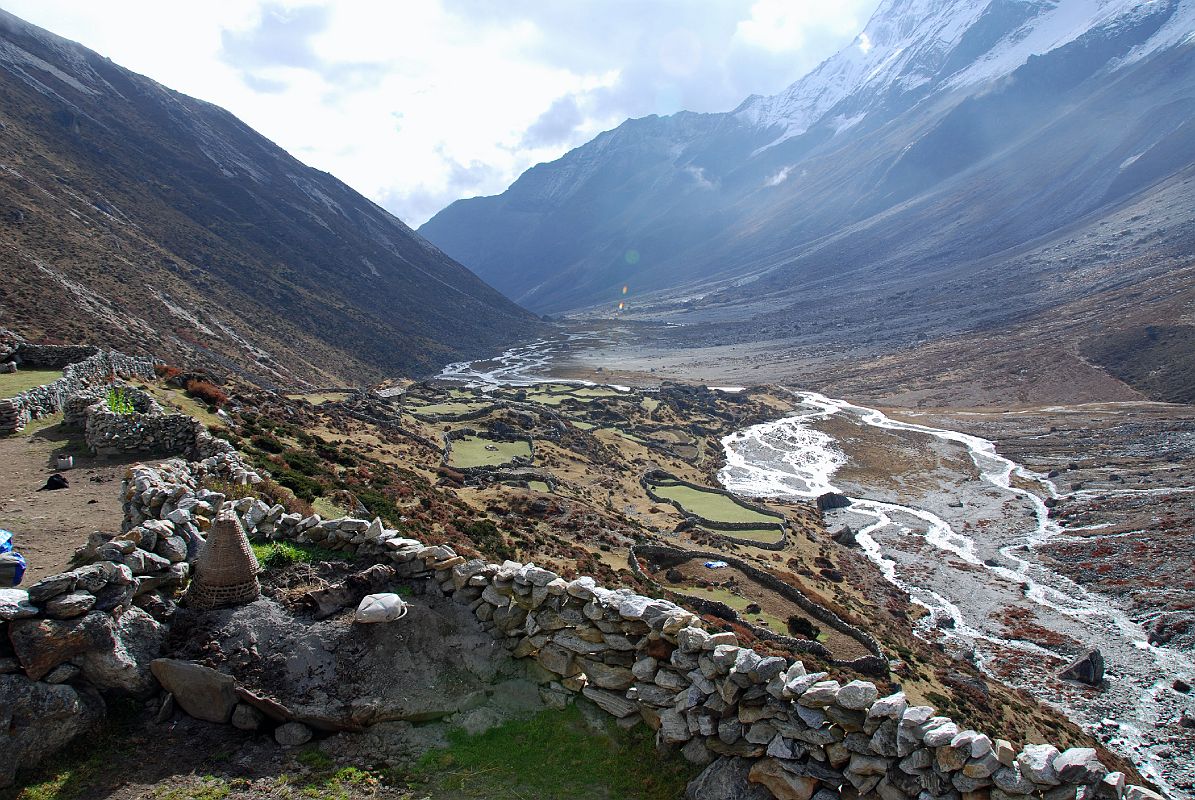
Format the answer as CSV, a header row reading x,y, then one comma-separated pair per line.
x,y
166,372
267,443
206,391
120,401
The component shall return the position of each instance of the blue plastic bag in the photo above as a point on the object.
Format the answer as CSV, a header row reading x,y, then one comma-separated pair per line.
x,y
5,541
12,568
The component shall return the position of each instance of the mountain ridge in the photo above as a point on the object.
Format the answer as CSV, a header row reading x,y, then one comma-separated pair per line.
x,y
931,177
293,276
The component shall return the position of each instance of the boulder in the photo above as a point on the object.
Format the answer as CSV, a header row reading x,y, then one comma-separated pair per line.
x,y
832,500
292,734
37,719
247,718
783,784
1036,762
123,663
726,779
15,604
66,606
1087,668
42,644
201,691
1080,765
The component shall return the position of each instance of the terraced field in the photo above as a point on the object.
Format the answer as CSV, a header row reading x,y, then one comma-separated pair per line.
x,y
478,451
710,505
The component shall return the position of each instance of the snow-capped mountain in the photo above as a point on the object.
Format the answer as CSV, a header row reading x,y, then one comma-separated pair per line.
x,y
949,133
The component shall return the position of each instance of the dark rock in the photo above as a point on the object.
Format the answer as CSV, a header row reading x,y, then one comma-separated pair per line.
x,y
1180,685
54,482
1087,668
845,536
726,779
832,500
37,719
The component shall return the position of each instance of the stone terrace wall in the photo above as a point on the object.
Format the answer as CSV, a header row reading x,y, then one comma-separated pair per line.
x,y
875,664
640,658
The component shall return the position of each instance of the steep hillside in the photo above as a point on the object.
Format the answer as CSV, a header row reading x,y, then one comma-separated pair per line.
x,y
963,162
146,220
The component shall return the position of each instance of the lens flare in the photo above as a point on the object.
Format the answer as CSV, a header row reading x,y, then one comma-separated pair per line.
x,y
621,306
624,290
632,257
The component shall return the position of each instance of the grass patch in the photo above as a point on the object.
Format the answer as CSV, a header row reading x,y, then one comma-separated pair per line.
x,y
539,486
447,408
710,505
13,383
553,754
276,555
765,535
327,509
473,451
318,398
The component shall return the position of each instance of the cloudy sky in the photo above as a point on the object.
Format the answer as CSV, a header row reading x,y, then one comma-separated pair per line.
x,y
418,103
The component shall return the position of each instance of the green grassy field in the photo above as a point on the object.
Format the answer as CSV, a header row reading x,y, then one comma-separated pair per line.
x,y
710,505
765,535
555,754
471,451
12,384
539,486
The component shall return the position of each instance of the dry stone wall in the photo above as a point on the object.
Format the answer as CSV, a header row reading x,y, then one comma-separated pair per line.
x,y
147,429
95,369
641,658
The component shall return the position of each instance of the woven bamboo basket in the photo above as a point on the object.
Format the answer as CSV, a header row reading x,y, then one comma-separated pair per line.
x,y
226,569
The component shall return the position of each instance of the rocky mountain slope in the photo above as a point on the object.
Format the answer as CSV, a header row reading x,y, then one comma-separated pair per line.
x,y
961,163
138,217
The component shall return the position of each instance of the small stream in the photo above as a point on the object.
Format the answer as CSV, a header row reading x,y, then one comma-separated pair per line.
x,y
973,580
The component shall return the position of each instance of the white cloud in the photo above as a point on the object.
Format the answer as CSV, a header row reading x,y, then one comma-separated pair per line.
x,y
418,104
779,177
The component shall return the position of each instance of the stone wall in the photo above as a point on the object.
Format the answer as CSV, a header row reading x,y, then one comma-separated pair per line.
x,y
97,369
875,664
638,658
49,356
641,658
146,430
713,525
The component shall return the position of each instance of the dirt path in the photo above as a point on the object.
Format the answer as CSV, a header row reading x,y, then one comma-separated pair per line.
x,y
49,526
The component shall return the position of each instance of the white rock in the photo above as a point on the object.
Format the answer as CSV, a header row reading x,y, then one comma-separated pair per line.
x,y
384,607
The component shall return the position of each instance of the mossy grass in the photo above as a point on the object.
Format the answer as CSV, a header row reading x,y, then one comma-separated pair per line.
x,y
553,754
276,555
